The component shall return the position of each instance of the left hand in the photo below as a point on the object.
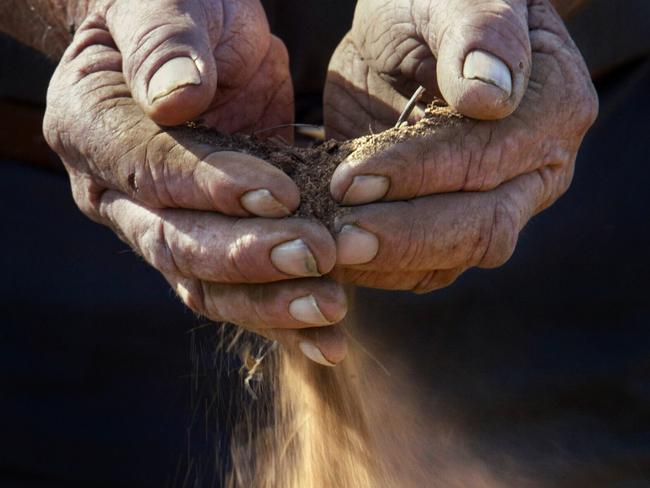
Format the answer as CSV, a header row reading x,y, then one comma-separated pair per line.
x,y
461,195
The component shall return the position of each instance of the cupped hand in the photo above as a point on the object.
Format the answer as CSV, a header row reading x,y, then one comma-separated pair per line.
x,y
206,218
457,197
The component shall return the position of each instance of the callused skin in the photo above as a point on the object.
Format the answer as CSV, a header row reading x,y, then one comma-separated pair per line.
x,y
460,196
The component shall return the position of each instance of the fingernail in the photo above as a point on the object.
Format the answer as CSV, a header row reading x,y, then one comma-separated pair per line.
x,y
174,74
263,204
355,245
481,65
306,310
312,352
294,258
366,189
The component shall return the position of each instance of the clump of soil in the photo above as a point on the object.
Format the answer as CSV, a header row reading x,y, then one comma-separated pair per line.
x,y
312,168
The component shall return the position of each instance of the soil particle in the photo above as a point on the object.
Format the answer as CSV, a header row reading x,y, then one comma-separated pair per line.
x,y
312,168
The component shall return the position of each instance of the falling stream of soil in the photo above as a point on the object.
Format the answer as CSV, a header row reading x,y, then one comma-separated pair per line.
x,y
328,427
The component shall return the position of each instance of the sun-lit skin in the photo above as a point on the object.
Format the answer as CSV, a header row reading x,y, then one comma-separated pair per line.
x,y
153,186
461,196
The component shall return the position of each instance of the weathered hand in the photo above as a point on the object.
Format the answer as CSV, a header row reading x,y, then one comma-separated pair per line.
x,y
186,207
466,191
214,58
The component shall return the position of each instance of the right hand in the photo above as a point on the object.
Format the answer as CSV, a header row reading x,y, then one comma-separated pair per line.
x,y
427,208
184,206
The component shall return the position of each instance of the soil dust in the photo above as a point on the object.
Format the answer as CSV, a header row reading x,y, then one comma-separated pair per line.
x,y
312,167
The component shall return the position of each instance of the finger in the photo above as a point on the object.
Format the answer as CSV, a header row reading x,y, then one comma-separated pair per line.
x,y
326,346
483,54
293,304
415,281
348,110
264,105
298,313
448,231
177,168
167,47
217,248
459,155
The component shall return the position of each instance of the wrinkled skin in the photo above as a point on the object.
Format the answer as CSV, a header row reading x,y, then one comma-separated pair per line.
x,y
175,201
458,198
464,193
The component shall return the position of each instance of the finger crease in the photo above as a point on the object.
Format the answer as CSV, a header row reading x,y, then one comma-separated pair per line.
x,y
166,247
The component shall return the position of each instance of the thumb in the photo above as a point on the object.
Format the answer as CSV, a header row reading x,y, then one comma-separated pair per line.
x,y
168,56
483,55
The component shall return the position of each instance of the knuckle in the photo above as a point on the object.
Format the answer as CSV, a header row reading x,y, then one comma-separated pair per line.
x,y
556,172
187,249
410,237
193,293
280,51
509,18
498,237
586,110
427,283
146,39
262,314
419,173
409,162
227,303
160,248
51,130
187,254
151,176
240,259
556,182
565,180
86,195
221,303
414,249
473,146
144,173
485,154
554,159
436,279
54,119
